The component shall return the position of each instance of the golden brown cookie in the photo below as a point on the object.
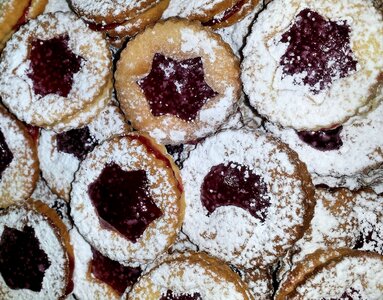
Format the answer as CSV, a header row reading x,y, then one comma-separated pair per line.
x,y
177,81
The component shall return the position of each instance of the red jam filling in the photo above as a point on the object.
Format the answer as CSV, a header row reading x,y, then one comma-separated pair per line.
x,y
235,184
53,65
112,273
226,15
24,18
323,140
78,142
22,262
171,296
123,201
176,87
6,155
319,49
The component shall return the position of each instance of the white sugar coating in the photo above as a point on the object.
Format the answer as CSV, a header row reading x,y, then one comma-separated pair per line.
x,y
230,232
290,104
86,286
185,8
355,164
19,177
334,224
58,168
53,284
130,155
235,34
259,282
369,213
45,195
16,88
56,5
185,276
364,274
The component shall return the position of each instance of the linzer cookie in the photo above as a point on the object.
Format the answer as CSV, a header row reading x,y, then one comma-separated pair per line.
x,y
177,81
348,155
36,258
213,13
335,274
96,276
130,223
55,62
19,167
60,154
14,13
190,276
315,64
248,198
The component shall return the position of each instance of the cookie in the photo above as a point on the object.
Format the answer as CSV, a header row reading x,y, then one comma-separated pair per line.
x,y
36,256
316,64
19,166
335,274
96,276
14,13
60,154
248,198
190,276
156,78
133,223
349,155
52,62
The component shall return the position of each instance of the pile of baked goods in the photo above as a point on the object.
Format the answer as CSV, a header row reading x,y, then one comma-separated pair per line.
x,y
206,149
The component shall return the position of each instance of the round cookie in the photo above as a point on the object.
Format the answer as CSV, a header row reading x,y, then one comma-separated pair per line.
x,y
60,154
36,256
157,76
248,198
19,167
349,155
96,276
317,64
52,62
133,223
190,276
335,274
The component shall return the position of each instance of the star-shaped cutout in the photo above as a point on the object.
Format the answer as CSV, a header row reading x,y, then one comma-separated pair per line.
x,y
318,51
6,155
176,87
123,201
22,262
53,65
235,184
78,142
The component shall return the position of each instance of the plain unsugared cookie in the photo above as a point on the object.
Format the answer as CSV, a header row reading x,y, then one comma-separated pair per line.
x,y
313,65
178,81
130,223
248,197
56,62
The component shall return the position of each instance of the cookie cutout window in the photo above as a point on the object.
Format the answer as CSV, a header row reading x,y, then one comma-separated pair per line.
x,y
123,201
318,51
176,87
238,185
323,140
53,65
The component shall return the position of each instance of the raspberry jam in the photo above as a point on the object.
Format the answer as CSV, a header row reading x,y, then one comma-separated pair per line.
x,y
6,155
172,296
112,273
22,262
123,201
235,184
318,49
78,142
323,140
176,87
226,15
53,65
